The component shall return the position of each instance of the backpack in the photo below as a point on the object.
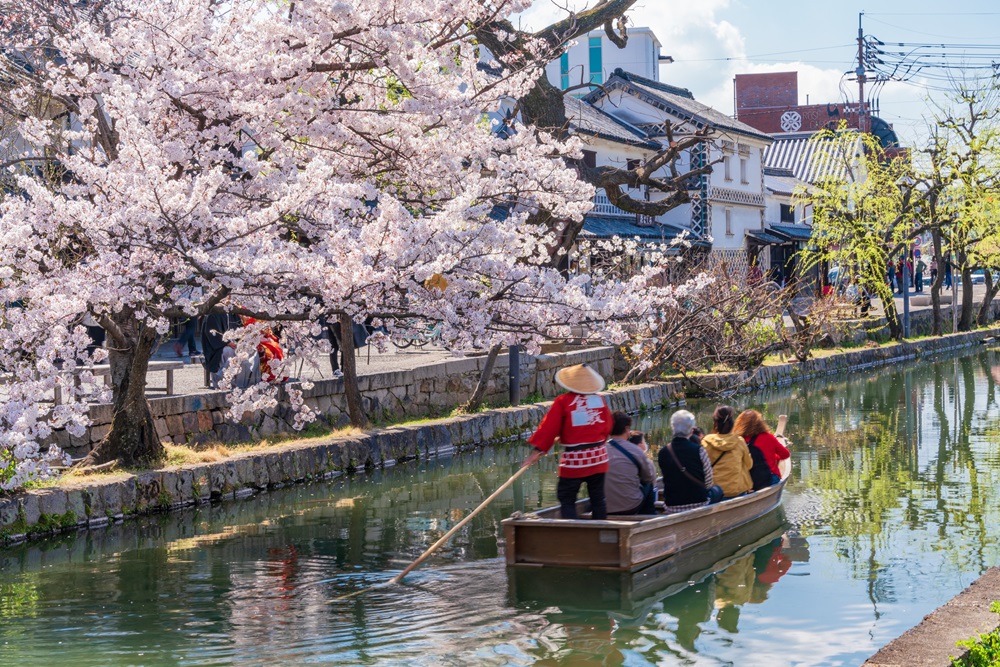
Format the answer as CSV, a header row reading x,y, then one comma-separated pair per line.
x,y
760,472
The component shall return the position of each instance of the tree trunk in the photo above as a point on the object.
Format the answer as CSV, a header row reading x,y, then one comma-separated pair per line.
x,y
965,322
937,324
484,379
891,316
132,439
355,407
991,291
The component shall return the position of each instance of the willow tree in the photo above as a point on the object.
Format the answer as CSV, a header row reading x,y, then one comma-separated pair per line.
x,y
864,220
965,167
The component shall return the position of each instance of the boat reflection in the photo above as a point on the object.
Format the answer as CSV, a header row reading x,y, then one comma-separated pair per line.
x,y
719,576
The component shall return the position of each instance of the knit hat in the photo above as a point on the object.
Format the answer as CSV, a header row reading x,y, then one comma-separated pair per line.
x,y
580,379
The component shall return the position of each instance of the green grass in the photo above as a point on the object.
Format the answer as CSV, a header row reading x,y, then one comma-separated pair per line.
x,y
984,650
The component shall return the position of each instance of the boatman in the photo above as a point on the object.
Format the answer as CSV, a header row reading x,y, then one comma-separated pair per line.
x,y
581,421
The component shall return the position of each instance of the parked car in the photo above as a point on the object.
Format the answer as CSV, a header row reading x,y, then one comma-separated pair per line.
x,y
978,277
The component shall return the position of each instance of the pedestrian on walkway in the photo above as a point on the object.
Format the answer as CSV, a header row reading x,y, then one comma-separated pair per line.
x,y
934,270
189,327
918,275
947,274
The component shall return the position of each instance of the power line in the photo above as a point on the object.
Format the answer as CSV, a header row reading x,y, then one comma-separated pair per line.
x,y
764,55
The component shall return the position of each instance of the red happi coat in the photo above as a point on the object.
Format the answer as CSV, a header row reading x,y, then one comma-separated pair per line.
x,y
576,419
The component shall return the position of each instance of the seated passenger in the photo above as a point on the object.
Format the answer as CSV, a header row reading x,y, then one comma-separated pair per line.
x,y
628,485
729,454
687,473
765,449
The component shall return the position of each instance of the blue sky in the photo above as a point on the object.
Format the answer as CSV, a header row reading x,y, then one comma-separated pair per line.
x,y
713,40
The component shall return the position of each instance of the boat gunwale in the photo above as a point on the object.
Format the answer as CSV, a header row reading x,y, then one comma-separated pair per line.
x,y
652,522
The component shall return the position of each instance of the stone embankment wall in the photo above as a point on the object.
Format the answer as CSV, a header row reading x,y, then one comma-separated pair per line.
x,y
932,643
770,376
432,389
114,497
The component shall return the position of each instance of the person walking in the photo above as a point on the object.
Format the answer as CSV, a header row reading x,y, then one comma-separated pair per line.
x,y
188,330
918,275
581,421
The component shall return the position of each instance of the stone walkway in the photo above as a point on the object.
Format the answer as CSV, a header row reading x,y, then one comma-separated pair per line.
x,y
191,380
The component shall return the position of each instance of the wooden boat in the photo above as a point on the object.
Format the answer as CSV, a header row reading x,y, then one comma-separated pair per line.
x,y
626,543
631,543
633,594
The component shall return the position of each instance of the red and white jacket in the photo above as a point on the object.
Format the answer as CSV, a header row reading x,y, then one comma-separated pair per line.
x,y
576,419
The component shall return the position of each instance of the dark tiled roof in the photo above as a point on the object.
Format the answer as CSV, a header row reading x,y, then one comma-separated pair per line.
x,y
790,232
606,227
585,118
682,102
765,237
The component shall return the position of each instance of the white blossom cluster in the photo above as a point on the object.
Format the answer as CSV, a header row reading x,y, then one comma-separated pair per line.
x,y
289,159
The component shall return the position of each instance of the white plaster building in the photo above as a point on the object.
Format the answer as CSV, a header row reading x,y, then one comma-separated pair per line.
x,y
729,202
594,57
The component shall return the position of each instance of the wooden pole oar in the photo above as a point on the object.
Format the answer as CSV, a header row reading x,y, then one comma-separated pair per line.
x,y
458,526
779,431
784,465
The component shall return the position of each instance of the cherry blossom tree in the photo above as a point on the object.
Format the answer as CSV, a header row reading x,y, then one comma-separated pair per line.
x,y
283,161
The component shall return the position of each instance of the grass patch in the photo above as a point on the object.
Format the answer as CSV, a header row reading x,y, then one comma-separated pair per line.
x,y
984,650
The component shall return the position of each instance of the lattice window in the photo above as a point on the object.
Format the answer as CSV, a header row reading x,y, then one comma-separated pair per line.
x,y
736,260
731,196
699,205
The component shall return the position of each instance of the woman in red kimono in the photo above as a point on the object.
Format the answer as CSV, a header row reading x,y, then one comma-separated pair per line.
x,y
581,421
268,349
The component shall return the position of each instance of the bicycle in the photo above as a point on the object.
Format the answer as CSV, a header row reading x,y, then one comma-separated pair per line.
x,y
419,335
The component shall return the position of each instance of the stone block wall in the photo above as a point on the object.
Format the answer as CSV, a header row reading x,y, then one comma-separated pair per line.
x,y
429,390
769,376
113,497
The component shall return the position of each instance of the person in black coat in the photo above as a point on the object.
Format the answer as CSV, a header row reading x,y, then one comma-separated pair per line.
x,y
687,472
218,352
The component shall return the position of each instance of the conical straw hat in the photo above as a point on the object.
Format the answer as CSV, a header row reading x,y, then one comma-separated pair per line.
x,y
581,379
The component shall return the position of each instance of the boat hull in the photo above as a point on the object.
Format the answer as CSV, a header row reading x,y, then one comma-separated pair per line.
x,y
632,594
626,543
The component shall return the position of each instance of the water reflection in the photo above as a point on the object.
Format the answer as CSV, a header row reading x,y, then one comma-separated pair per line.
x,y
891,511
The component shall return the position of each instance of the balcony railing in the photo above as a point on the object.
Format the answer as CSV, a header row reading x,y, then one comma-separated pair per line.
x,y
603,206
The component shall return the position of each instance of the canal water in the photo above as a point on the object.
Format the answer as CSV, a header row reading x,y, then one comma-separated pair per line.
x,y
892,510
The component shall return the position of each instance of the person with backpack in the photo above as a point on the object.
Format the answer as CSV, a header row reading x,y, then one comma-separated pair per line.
x,y
765,449
628,485
581,421
728,452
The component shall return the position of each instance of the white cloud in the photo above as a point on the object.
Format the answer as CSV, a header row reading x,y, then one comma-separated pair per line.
x,y
710,51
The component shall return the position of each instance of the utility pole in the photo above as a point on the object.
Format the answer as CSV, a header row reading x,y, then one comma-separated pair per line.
x,y
514,377
862,79
906,296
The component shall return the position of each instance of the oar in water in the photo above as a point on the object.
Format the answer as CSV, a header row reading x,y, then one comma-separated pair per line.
x,y
458,526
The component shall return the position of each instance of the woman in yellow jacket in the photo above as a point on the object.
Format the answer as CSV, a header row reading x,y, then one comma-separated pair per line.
x,y
728,452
